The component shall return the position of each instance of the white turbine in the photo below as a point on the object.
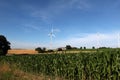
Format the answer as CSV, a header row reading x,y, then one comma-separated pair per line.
x,y
51,35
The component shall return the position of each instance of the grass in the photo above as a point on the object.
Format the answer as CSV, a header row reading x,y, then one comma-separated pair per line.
x,y
11,72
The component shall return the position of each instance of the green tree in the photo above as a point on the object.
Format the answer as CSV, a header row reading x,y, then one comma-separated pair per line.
x,y
93,47
68,47
84,47
4,45
74,48
59,49
44,49
39,49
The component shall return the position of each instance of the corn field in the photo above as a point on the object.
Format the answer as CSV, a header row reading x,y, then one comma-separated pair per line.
x,y
103,65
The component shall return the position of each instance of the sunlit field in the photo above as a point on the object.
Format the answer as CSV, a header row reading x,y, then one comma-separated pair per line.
x,y
22,51
31,51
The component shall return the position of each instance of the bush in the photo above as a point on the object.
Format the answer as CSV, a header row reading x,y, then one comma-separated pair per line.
x,y
84,47
39,49
50,50
68,47
59,49
93,47
4,45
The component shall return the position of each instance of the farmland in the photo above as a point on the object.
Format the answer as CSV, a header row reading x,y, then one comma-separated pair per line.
x,y
22,51
31,51
99,65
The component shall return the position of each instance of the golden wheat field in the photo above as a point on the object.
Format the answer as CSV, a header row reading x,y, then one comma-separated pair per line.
x,y
22,51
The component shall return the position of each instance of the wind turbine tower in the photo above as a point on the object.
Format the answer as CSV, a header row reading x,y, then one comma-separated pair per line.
x,y
51,35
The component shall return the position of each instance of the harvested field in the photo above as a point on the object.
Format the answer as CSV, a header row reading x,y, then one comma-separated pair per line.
x,y
25,51
22,51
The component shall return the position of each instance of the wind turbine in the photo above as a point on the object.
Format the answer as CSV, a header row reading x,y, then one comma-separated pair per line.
x,y
51,35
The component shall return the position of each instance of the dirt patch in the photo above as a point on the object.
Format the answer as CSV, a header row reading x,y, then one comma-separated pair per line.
x,y
4,68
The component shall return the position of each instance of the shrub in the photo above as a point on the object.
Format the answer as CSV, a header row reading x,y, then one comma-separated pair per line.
x,y
39,49
4,45
59,49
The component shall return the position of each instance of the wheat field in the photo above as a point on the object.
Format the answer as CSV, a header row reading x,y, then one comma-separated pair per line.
x,y
22,51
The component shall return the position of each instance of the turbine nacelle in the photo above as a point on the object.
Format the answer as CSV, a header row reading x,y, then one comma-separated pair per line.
x,y
51,34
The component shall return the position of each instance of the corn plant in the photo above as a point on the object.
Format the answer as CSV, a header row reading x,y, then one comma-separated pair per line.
x,y
101,65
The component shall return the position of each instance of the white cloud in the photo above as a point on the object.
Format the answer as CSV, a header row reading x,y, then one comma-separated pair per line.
x,y
55,8
80,4
97,40
30,27
89,40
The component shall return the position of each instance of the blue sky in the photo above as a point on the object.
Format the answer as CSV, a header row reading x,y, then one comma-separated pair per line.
x,y
27,23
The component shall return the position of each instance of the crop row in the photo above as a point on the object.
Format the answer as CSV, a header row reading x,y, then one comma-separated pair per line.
x,y
81,66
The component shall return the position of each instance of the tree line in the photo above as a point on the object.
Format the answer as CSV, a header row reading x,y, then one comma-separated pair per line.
x,y
67,47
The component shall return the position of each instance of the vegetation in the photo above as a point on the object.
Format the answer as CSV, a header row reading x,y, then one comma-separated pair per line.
x,y
84,47
40,50
4,45
101,65
59,49
93,47
11,72
68,47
